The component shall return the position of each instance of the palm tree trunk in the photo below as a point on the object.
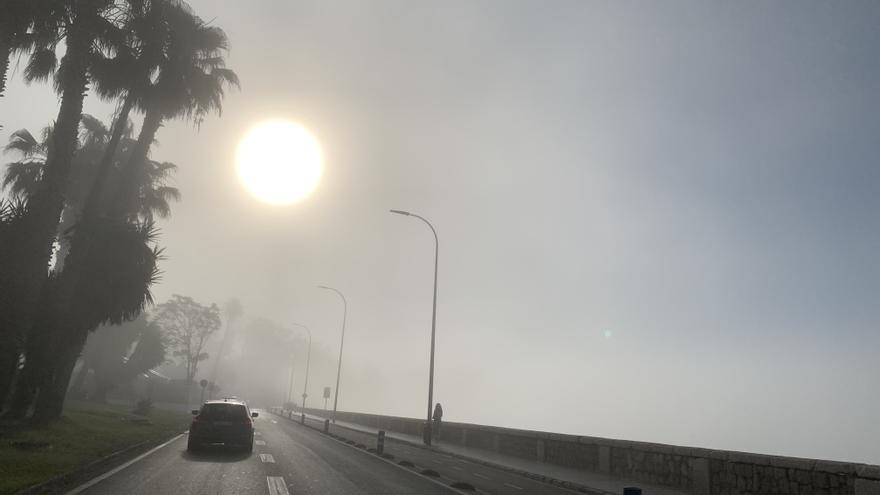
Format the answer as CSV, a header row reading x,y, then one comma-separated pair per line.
x,y
122,204
50,401
4,65
36,372
101,175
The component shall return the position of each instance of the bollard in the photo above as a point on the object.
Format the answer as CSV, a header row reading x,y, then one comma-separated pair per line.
x,y
380,442
631,490
303,418
326,426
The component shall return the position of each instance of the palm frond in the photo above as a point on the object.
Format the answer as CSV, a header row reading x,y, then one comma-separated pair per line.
x,y
22,141
41,65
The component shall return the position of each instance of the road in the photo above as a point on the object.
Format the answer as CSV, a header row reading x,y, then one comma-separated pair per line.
x,y
287,458
290,458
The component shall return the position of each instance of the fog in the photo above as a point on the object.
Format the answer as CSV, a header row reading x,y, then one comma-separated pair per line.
x,y
656,221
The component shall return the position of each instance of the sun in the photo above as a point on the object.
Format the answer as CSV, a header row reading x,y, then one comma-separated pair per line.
x,y
279,162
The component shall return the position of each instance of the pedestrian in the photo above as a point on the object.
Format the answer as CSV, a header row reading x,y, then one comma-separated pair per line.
x,y
438,417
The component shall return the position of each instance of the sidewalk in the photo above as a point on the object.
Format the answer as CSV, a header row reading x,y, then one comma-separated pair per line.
x,y
596,481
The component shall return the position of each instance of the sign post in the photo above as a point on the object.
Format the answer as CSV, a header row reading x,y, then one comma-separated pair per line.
x,y
326,396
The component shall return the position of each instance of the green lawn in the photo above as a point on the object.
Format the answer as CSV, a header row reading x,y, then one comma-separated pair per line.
x,y
86,433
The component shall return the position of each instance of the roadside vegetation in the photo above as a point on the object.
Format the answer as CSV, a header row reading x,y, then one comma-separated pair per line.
x,y
79,249
85,433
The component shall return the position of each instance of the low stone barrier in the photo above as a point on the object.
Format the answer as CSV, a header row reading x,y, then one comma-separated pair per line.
x,y
696,470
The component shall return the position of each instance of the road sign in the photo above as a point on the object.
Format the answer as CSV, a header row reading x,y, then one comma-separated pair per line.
x,y
203,383
326,392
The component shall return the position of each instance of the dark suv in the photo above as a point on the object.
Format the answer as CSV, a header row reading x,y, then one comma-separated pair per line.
x,y
226,421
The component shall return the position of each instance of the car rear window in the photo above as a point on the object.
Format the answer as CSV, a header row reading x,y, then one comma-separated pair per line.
x,y
224,412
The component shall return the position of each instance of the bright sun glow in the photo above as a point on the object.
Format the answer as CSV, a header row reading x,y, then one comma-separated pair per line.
x,y
279,162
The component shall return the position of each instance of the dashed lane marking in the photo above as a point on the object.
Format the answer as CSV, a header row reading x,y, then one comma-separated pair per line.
x,y
513,486
260,442
274,422
277,486
457,468
267,458
478,475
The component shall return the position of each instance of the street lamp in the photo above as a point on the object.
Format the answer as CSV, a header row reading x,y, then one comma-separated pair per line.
x,y
308,361
341,342
433,321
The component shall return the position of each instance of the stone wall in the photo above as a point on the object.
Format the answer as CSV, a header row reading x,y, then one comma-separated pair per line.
x,y
696,470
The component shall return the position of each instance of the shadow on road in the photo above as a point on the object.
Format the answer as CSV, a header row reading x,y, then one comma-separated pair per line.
x,y
215,453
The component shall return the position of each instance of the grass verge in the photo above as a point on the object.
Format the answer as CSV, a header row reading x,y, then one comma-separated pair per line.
x,y
86,432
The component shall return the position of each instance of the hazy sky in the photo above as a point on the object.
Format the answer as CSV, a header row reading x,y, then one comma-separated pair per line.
x,y
658,220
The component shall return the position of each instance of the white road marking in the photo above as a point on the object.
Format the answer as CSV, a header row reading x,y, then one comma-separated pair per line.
x,y
513,486
277,486
478,475
274,422
458,468
108,474
267,458
260,442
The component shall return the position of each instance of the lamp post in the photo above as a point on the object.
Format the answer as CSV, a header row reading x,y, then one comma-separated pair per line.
x,y
433,321
341,342
290,381
308,361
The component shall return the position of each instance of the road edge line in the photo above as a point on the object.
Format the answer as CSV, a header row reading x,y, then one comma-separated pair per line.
x,y
94,481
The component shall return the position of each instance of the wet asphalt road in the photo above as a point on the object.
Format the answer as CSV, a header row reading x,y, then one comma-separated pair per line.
x,y
287,458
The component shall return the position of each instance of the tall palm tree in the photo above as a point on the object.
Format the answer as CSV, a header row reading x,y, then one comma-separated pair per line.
x,y
130,256
86,27
191,82
127,74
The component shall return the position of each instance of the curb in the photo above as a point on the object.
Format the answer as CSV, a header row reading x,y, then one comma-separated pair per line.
x,y
62,482
569,485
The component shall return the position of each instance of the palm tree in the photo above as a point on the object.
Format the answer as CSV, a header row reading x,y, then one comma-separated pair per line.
x,y
126,76
16,21
22,177
86,28
136,267
190,84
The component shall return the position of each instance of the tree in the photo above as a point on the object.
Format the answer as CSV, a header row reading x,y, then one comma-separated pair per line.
x,y
118,353
191,82
123,258
232,310
86,28
188,325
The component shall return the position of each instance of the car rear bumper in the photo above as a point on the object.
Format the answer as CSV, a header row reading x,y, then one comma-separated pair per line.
x,y
225,438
